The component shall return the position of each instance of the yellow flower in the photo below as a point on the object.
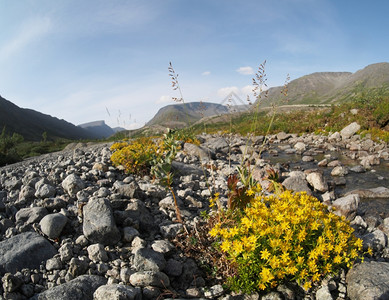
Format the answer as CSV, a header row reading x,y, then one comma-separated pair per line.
x,y
315,277
265,254
238,247
358,243
307,285
337,259
266,275
225,246
250,192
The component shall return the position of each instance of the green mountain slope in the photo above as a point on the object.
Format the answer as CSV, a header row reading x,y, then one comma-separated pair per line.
x,y
329,87
180,115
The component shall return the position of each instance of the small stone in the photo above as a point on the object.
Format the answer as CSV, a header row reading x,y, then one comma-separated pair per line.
x,y
214,291
162,246
53,264
129,233
97,253
171,231
53,224
150,278
339,171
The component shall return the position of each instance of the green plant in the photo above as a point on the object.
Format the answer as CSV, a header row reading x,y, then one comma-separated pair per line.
x,y
285,237
162,163
8,143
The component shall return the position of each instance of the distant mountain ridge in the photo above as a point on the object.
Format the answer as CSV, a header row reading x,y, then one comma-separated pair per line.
x,y
329,87
99,129
32,124
180,115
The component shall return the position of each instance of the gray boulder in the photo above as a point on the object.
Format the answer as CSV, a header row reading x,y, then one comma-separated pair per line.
x,y
300,147
297,182
317,181
45,191
182,169
368,280
81,288
117,292
350,130
150,278
130,190
377,240
25,250
218,144
147,259
53,224
198,151
30,215
347,206
72,184
99,224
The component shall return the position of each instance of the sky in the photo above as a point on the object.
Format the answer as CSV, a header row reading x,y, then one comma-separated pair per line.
x,y
90,60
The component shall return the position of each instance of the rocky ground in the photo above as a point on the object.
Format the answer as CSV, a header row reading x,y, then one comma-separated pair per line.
x,y
74,227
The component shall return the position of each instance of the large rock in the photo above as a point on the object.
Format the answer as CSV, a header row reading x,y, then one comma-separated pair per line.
x,y
117,292
347,206
219,144
131,190
99,224
72,184
182,169
45,191
368,280
147,259
150,278
350,130
318,182
300,147
25,250
198,151
81,288
297,182
30,215
53,224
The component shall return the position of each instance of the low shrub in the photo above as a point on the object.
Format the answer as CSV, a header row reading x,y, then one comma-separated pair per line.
x,y
283,237
135,156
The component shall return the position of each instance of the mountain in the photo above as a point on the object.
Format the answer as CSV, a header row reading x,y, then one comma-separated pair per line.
x,y
99,129
329,87
32,124
180,115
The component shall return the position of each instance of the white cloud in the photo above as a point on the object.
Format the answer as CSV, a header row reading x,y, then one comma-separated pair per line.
x,y
245,70
206,73
30,31
164,99
247,90
224,92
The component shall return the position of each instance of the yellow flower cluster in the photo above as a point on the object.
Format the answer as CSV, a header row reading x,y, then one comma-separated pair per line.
x,y
134,156
285,237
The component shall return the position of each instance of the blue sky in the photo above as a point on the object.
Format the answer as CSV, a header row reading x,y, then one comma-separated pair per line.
x,y
108,60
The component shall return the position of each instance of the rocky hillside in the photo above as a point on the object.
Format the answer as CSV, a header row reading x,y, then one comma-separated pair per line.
x,y
32,124
74,227
329,87
180,115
